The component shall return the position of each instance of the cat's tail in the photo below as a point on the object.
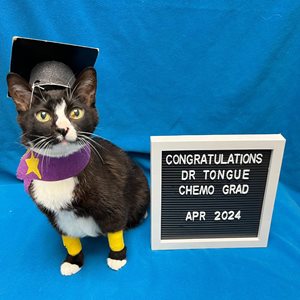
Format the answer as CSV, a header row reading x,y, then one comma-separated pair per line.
x,y
138,212
139,198
138,218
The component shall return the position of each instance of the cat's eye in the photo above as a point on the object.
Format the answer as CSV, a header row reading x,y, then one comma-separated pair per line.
x,y
43,116
76,113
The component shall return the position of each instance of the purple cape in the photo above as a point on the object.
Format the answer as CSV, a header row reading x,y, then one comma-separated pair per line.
x,y
34,166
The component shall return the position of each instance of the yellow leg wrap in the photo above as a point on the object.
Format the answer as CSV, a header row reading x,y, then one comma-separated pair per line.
x,y
116,241
73,245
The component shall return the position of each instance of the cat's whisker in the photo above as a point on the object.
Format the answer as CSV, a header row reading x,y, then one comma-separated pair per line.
x,y
74,89
69,89
39,135
36,96
46,148
36,146
40,144
71,77
40,90
93,148
23,134
42,138
32,143
28,134
83,143
43,149
36,140
33,135
68,94
91,133
92,140
47,151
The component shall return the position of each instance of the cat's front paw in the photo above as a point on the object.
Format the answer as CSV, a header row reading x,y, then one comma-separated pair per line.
x,y
72,264
68,269
116,264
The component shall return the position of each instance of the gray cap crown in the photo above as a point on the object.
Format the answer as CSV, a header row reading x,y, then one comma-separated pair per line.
x,y
52,73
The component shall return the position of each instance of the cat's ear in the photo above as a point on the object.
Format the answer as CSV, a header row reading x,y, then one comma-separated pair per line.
x,y
85,86
20,91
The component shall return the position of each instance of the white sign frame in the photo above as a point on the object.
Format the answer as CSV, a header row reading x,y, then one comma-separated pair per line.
x,y
274,142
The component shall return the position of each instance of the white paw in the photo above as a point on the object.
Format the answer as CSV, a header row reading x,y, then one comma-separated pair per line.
x,y
68,269
116,264
146,215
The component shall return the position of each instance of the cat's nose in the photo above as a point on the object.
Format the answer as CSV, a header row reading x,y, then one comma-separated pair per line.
x,y
63,131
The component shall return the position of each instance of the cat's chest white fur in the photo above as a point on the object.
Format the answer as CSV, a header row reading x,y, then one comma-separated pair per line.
x,y
56,196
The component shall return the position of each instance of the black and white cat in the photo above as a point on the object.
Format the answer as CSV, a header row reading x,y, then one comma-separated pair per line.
x,y
109,195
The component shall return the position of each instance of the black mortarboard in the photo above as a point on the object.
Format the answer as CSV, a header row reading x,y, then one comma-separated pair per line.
x,y
49,63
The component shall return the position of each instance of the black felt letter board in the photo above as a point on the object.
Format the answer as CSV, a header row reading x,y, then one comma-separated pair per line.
x,y
195,212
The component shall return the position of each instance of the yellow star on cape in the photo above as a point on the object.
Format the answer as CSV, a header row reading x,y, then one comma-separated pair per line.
x,y
32,164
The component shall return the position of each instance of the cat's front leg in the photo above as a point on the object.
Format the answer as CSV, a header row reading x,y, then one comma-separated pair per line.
x,y
117,255
74,260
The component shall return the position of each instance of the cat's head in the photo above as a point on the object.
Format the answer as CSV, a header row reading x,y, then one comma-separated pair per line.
x,y
56,122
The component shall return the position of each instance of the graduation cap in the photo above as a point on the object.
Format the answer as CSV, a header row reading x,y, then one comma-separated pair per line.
x,y
47,64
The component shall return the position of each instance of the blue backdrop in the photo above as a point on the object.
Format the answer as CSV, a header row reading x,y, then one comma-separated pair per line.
x,y
165,68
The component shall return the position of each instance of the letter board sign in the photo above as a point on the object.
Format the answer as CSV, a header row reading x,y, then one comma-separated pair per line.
x,y
213,191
